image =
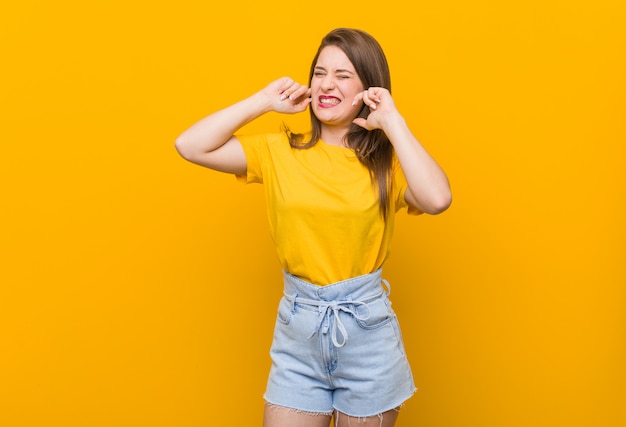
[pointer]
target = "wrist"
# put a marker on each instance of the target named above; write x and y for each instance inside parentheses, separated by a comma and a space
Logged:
(393, 121)
(261, 103)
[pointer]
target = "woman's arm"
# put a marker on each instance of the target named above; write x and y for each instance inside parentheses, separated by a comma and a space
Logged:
(429, 189)
(211, 141)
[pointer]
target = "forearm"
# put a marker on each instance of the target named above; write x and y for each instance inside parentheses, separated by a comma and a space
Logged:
(429, 189)
(215, 130)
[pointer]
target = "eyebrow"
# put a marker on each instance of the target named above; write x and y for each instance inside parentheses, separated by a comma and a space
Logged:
(339, 70)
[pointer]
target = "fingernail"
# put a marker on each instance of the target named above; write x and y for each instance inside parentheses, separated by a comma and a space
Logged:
(283, 97)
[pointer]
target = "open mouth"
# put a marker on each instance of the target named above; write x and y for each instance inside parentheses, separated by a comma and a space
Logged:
(329, 101)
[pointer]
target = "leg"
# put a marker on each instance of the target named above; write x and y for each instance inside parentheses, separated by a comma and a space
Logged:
(386, 419)
(278, 416)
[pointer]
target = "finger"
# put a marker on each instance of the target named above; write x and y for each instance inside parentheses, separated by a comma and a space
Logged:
(305, 101)
(299, 93)
(290, 90)
(358, 98)
(305, 98)
(284, 83)
(359, 121)
(368, 100)
(374, 94)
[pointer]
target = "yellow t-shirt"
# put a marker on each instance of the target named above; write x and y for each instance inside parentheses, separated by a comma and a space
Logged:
(322, 207)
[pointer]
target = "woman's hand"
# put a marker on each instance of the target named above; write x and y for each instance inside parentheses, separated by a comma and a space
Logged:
(287, 96)
(381, 106)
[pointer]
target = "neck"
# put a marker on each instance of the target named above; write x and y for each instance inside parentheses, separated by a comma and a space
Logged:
(334, 135)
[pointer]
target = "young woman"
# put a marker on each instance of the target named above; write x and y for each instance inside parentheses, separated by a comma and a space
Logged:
(332, 195)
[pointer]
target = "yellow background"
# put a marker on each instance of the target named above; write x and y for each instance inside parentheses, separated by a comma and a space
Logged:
(140, 290)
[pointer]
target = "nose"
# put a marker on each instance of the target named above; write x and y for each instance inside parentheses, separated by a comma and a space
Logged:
(328, 83)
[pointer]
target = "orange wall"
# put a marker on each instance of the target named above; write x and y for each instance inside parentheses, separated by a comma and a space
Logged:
(140, 290)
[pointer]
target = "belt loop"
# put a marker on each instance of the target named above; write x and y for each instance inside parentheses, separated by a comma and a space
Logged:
(386, 286)
(293, 303)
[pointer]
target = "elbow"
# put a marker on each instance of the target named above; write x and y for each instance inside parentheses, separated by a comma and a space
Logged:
(432, 204)
(439, 204)
(182, 147)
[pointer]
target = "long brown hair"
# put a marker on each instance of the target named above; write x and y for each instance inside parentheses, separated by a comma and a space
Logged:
(372, 148)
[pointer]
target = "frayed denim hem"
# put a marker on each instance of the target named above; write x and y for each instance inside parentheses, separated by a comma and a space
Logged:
(299, 411)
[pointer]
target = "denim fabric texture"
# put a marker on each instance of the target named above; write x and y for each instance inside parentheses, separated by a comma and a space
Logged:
(338, 347)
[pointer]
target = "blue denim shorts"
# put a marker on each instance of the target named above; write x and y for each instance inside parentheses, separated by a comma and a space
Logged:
(338, 347)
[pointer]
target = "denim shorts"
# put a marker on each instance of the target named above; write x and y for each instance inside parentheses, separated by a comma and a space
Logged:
(338, 347)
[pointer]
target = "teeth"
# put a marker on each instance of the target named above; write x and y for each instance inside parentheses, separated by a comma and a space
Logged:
(333, 101)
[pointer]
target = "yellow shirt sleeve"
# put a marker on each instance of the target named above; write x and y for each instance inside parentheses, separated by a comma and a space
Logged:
(256, 150)
(400, 186)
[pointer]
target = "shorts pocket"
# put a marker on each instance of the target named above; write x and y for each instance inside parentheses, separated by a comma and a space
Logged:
(285, 311)
(398, 333)
(375, 314)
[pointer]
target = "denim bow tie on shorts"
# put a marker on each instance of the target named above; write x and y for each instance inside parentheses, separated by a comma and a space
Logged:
(329, 314)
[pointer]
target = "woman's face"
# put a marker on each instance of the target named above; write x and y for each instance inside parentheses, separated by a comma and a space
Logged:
(334, 85)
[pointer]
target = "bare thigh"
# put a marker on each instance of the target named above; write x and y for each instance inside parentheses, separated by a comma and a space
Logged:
(278, 416)
(386, 419)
